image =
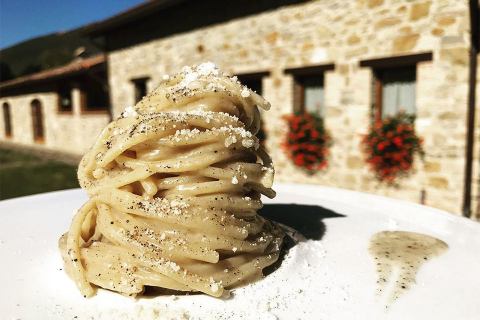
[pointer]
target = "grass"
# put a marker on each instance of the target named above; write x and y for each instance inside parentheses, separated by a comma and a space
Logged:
(22, 173)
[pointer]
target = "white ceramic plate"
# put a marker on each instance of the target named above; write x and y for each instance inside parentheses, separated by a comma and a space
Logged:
(330, 278)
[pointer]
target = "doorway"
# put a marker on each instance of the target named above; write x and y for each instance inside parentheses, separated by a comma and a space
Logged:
(37, 121)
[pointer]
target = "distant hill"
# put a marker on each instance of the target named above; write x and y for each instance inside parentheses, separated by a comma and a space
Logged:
(42, 53)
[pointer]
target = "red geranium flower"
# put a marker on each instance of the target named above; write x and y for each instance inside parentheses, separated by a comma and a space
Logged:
(307, 141)
(390, 147)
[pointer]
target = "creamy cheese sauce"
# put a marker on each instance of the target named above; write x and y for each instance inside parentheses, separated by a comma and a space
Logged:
(398, 256)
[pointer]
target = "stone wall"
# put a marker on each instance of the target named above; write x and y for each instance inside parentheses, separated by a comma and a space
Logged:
(71, 132)
(343, 33)
(317, 32)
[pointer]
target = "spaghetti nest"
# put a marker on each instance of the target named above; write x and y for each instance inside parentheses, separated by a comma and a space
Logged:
(174, 186)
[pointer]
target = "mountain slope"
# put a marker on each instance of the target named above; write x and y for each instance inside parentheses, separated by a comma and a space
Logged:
(42, 53)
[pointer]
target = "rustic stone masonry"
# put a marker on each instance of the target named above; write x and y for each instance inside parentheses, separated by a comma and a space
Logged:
(72, 132)
(343, 33)
(336, 32)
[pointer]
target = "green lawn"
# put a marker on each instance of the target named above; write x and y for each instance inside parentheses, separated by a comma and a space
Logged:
(22, 173)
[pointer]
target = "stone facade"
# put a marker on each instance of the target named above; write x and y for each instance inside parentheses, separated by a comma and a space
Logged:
(69, 132)
(342, 33)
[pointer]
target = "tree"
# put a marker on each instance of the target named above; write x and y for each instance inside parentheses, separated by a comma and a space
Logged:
(5, 72)
(31, 68)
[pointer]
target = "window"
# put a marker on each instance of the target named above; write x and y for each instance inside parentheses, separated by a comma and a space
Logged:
(309, 88)
(308, 93)
(7, 119)
(37, 120)
(94, 96)
(140, 88)
(395, 91)
(65, 99)
(254, 82)
(394, 82)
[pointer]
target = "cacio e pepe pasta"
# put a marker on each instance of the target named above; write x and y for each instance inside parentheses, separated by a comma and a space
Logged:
(174, 186)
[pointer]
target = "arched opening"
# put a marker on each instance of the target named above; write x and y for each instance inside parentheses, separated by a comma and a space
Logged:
(7, 119)
(37, 120)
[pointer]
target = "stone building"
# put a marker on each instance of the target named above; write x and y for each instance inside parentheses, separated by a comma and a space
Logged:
(61, 109)
(342, 59)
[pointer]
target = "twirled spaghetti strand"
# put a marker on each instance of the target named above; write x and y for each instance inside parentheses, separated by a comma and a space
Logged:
(174, 186)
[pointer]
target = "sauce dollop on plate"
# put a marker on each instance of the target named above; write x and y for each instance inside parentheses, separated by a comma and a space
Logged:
(398, 256)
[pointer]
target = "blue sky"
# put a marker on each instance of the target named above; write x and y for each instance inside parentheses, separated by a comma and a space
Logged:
(25, 19)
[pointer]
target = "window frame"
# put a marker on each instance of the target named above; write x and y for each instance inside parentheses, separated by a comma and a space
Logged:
(379, 84)
(257, 76)
(59, 99)
(300, 75)
(135, 82)
(253, 76)
(84, 110)
(299, 91)
(38, 116)
(379, 65)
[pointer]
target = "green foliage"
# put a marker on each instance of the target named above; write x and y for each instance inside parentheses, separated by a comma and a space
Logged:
(5, 72)
(44, 52)
(31, 68)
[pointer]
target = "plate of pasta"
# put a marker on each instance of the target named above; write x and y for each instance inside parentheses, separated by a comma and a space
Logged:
(179, 218)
